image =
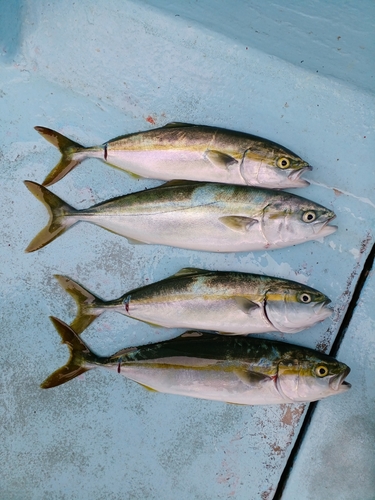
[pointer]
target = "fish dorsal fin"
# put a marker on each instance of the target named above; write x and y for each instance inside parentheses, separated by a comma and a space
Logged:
(179, 182)
(238, 223)
(245, 304)
(252, 379)
(178, 124)
(219, 159)
(188, 271)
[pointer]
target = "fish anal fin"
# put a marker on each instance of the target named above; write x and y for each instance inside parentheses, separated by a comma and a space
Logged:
(238, 223)
(132, 241)
(131, 174)
(147, 387)
(179, 182)
(219, 159)
(246, 305)
(250, 378)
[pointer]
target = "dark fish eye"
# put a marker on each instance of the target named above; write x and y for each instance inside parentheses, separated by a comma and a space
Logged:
(321, 371)
(305, 298)
(283, 162)
(309, 216)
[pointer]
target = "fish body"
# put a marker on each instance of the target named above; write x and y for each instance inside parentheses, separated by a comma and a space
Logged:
(197, 216)
(231, 302)
(185, 151)
(238, 370)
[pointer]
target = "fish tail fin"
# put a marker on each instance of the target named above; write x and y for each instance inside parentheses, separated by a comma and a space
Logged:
(89, 306)
(72, 154)
(59, 211)
(80, 355)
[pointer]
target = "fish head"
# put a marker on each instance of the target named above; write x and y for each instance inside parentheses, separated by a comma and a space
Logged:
(273, 167)
(291, 307)
(305, 378)
(289, 219)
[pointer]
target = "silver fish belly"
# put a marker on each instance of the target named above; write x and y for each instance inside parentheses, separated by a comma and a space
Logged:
(198, 216)
(185, 151)
(229, 302)
(207, 366)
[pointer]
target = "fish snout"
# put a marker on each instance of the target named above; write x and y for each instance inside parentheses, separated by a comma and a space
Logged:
(295, 176)
(337, 382)
(323, 310)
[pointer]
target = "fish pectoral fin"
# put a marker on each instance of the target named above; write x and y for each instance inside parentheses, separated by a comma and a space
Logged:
(253, 379)
(178, 124)
(221, 160)
(238, 223)
(246, 305)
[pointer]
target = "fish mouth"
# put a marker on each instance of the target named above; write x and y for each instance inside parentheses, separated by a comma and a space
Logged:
(323, 311)
(326, 229)
(295, 177)
(338, 383)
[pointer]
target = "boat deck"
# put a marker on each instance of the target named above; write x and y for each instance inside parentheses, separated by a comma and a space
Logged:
(300, 74)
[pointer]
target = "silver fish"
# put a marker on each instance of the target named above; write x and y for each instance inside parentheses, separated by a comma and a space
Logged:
(236, 370)
(185, 151)
(232, 302)
(197, 216)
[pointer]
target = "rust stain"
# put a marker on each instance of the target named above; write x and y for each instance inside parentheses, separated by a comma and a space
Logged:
(151, 120)
(324, 344)
(291, 415)
(277, 449)
(266, 494)
(337, 192)
(343, 301)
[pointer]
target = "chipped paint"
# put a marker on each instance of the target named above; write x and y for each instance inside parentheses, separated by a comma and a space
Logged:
(102, 431)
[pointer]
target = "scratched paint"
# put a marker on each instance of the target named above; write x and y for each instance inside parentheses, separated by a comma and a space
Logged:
(125, 63)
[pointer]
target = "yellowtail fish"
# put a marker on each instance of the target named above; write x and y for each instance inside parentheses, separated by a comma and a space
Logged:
(197, 216)
(185, 151)
(238, 370)
(232, 302)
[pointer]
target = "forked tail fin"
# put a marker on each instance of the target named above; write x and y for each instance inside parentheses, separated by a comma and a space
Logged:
(89, 306)
(80, 356)
(61, 216)
(72, 154)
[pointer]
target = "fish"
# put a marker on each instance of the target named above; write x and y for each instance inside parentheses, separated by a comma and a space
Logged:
(197, 216)
(186, 151)
(238, 370)
(232, 302)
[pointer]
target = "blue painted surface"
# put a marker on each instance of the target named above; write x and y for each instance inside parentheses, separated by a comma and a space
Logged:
(339, 448)
(94, 71)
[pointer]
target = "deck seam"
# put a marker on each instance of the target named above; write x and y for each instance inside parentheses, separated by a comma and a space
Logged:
(368, 266)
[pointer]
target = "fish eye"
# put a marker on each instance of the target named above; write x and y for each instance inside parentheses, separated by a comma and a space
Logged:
(305, 298)
(321, 371)
(283, 162)
(309, 216)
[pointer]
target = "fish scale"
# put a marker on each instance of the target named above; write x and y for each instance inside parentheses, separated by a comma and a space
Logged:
(186, 151)
(232, 302)
(208, 366)
(198, 216)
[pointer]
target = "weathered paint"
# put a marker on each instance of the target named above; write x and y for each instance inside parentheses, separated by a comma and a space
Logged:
(339, 446)
(125, 62)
